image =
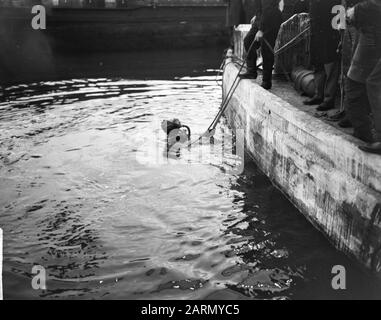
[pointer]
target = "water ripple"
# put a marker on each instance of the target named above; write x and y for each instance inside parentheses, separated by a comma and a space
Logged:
(89, 195)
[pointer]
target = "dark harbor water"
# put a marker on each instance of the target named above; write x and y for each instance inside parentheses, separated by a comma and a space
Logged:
(86, 192)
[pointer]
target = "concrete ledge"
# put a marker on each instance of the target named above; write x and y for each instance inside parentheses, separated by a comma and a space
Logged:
(319, 168)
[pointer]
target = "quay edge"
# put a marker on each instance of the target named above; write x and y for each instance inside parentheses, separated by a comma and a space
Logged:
(320, 169)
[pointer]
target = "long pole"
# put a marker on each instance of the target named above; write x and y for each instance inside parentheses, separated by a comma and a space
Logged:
(229, 95)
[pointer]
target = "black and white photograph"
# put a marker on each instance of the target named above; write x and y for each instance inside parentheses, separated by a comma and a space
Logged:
(192, 156)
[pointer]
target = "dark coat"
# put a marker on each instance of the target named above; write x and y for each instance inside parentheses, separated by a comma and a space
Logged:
(269, 16)
(351, 3)
(367, 20)
(324, 39)
(249, 9)
(240, 12)
(234, 13)
(301, 6)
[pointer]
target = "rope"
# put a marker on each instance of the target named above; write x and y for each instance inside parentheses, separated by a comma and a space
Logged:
(288, 44)
(225, 102)
(224, 65)
(281, 65)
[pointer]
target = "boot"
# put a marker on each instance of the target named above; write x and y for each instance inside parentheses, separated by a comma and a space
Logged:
(337, 116)
(266, 85)
(325, 106)
(345, 123)
(364, 135)
(372, 148)
(249, 75)
(314, 100)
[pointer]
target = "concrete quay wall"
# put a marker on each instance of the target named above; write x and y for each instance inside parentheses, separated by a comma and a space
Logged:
(320, 169)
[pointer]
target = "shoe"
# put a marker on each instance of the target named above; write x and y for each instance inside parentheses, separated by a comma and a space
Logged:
(345, 123)
(312, 101)
(248, 75)
(372, 148)
(340, 115)
(325, 107)
(266, 85)
(364, 136)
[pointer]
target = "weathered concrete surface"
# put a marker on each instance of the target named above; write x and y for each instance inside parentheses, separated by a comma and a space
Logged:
(319, 168)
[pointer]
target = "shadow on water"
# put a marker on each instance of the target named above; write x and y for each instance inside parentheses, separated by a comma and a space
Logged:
(280, 253)
(88, 196)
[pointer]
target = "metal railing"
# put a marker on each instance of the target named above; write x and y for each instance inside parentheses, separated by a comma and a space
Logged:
(293, 43)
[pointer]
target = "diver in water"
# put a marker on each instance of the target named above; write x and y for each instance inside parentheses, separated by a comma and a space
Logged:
(264, 31)
(178, 135)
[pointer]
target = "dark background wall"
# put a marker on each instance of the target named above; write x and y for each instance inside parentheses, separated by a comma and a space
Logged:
(91, 30)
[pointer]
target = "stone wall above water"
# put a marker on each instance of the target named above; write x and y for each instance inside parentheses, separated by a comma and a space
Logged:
(319, 168)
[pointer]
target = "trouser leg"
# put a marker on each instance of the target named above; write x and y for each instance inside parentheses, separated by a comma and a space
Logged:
(373, 85)
(251, 50)
(319, 79)
(358, 109)
(332, 71)
(267, 48)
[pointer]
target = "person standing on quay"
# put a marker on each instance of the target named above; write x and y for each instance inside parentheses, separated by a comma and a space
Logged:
(234, 13)
(238, 12)
(325, 57)
(263, 34)
(363, 83)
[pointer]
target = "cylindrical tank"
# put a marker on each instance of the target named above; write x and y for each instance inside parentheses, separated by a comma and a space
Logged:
(304, 80)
